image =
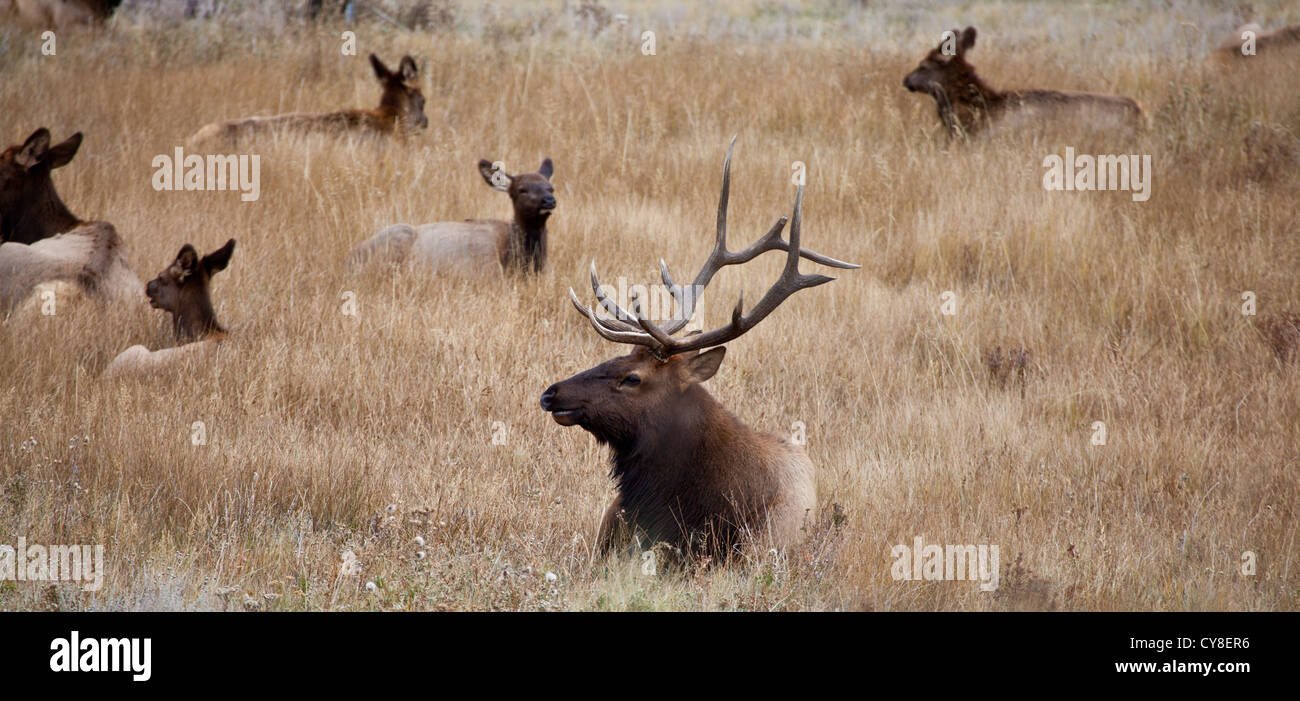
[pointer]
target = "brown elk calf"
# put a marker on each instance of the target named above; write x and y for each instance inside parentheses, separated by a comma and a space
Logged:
(688, 472)
(474, 246)
(400, 112)
(967, 105)
(184, 290)
(44, 244)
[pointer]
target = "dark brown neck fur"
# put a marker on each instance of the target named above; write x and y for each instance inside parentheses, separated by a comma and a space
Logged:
(40, 214)
(196, 318)
(526, 249)
(678, 482)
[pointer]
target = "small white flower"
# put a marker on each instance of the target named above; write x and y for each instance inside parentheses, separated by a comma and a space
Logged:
(419, 541)
(349, 567)
(551, 576)
(391, 508)
(371, 587)
(419, 555)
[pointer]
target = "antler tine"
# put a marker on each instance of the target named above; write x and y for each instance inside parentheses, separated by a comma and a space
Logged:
(618, 336)
(720, 256)
(791, 281)
(618, 323)
(659, 335)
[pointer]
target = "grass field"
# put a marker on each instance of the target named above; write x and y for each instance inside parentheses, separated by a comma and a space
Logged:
(328, 433)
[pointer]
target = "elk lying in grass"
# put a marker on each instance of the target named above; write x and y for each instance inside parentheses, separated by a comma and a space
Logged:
(688, 472)
(1257, 43)
(474, 246)
(46, 247)
(184, 290)
(64, 14)
(400, 112)
(30, 208)
(967, 105)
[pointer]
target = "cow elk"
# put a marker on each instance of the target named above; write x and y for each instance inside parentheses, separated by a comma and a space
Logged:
(400, 112)
(967, 105)
(45, 247)
(182, 289)
(30, 208)
(474, 246)
(1250, 41)
(689, 473)
(63, 14)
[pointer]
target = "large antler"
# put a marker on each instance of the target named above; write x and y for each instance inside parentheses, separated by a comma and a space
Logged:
(638, 329)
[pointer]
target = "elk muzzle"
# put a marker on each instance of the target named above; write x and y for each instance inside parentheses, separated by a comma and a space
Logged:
(151, 291)
(563, 416)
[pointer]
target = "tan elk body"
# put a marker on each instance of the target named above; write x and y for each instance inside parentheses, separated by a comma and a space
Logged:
(473, 246)
(45, 247)
(400, 111)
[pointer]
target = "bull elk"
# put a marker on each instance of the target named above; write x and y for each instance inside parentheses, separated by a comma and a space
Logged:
(967, 105)
(400, 112)
(688, 472)
(44, 244)
(182, 289)
(475, 245)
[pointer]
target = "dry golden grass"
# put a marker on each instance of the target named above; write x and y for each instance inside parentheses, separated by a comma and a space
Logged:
(328, 433)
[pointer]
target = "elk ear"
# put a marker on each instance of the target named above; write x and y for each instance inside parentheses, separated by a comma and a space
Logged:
(34, 148)
(61, 154)
(704, 365)
(408, 69)
(547, 169)
(186, 261)
(966, 41)
(496, 178)
(381, 71)
(217, 260)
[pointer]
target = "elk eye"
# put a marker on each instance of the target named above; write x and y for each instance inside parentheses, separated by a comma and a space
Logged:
(631, 380)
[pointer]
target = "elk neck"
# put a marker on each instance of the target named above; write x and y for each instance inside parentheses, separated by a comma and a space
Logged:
(674, 441)
(526, 248)
(39, 216)
(196, 319)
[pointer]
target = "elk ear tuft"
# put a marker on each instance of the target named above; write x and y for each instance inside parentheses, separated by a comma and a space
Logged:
(547, 169)
(381, 71)
(217, 260)
(408, 69)
(966, 41)
(62, 153)
(704, 365)
(496, 178)
(34, 148)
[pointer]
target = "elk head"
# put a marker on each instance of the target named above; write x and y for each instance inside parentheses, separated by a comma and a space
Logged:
(183, 289)
(658, 384)
(30, 209)
(944, 73)
(401, 97)
(533, 198)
